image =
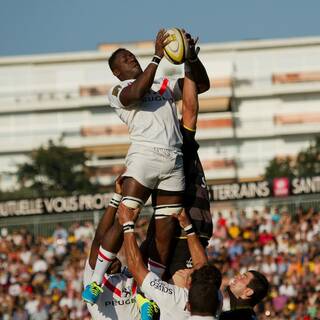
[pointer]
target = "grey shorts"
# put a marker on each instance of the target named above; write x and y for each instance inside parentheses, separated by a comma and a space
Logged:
(155, 168)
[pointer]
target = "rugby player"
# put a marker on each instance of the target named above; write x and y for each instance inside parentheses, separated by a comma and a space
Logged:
(245, 291)
(203, 300)
(154, 160)
(171, 298)
(117, 295)
(196, 196)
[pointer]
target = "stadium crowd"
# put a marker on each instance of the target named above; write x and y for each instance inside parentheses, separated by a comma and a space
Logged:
(41, 277)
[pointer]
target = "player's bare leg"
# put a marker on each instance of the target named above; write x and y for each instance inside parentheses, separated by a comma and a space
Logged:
(165, 204)
(100, 259)
(134, 193)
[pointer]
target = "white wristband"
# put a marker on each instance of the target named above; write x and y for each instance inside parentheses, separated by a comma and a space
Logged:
(188, 227)
(189, 230)
(128, 223)
(156, 60)
(115, 200)
(128, 227)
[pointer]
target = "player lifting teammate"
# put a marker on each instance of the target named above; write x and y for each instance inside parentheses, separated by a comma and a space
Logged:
(154, 160)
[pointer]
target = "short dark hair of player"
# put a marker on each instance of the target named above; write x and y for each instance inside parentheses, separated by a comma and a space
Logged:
(207, 274)
(203, 298)
(113, 57)
(260, 286)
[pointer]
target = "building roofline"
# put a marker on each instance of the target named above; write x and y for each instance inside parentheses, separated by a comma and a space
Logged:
(144, 49)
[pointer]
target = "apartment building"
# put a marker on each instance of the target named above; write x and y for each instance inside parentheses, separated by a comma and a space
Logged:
(264, 102)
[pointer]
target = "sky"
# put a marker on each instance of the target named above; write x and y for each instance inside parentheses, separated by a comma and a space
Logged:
(49, 26)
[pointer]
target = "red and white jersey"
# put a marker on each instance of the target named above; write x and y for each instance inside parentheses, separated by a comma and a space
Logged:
(154, 120)
(171, 299)
(118, 299)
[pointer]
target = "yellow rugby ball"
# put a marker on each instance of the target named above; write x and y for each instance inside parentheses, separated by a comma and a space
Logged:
(177, 50)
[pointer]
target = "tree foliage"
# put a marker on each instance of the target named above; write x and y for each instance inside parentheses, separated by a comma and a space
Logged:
(306, 164)
(55, 169)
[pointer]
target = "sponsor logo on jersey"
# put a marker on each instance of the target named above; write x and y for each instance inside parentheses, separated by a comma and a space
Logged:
(126, 292)
(122, 292)
(159, 285)
(121, 302)
(203, 182)
(155, 96)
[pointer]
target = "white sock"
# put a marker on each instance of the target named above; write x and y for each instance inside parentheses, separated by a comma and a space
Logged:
(156, 267)
(104, 260)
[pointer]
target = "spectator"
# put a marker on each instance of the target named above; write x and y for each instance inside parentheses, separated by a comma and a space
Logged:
(290, 259)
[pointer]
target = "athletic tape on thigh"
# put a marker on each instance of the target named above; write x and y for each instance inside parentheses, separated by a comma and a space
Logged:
(165, 210)
(132, 202)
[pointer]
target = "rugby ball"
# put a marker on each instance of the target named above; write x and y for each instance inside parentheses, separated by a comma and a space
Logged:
(177, 50)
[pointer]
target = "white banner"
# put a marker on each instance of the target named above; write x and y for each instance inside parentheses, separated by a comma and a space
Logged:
(87, 202)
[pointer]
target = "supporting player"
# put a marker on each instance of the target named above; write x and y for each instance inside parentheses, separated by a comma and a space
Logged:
(245, 291)
(117, 296)
(203, 299)
(171, 298)
(196, 197)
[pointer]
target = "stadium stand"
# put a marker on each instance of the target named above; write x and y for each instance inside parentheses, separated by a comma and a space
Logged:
(42, 275)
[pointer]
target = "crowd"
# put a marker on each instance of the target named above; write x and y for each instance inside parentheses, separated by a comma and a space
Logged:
(41, 277)
(285, 247)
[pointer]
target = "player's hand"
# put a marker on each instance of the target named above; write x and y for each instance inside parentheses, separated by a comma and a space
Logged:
(126, 214)
(118, 184)
(183, 218)
(161, 41)
(193, 49)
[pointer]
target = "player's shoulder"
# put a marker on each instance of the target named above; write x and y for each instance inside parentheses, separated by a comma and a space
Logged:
(115, 89)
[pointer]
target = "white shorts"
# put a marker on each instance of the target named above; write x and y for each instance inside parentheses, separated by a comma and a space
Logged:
(155, 168)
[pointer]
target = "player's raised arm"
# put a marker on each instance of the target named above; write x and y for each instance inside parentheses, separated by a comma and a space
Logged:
(190, 104)
(198, 254)
(127, 218)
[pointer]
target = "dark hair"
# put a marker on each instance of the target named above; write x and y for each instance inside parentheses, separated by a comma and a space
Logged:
(203, 298)
(113, 57)
(208, 274)
(260, 286)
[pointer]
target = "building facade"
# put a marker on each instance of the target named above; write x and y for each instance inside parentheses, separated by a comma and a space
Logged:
(264, 102)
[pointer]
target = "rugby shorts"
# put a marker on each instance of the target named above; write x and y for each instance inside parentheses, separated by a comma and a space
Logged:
(155, 168)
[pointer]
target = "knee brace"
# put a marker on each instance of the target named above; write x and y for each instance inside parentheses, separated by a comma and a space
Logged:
(132, 202)
(166, 210)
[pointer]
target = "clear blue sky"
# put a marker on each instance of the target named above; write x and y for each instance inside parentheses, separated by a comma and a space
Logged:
(42, 26)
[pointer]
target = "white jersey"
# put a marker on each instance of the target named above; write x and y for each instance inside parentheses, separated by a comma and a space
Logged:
(202, 318)
(171, 299)
(118, 299)
(154, 120)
